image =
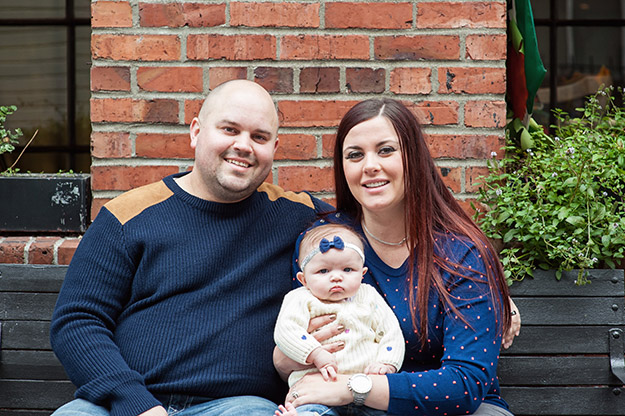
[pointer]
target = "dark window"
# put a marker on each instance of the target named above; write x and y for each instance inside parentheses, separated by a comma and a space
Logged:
(582, 46)
(44, 71)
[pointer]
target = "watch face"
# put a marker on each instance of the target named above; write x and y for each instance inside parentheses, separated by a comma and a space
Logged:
(360, 383)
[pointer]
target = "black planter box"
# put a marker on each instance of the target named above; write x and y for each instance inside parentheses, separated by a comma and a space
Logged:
(45, 203)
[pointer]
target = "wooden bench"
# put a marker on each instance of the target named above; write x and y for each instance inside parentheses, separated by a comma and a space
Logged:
(568, 359)
(32, 381)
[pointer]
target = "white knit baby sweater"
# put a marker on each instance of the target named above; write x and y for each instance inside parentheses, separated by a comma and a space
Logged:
(372, 333)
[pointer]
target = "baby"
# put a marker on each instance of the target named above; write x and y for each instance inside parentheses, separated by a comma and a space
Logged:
(331, 270)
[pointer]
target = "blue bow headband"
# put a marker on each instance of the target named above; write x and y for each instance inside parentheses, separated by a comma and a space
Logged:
(325, 245)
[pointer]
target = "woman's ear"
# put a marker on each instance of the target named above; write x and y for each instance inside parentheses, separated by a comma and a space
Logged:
(301, 278)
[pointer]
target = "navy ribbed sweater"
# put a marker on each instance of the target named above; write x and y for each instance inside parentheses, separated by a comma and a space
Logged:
(171, 294)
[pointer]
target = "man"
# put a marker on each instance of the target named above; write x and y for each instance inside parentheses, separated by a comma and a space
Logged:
(171, 297)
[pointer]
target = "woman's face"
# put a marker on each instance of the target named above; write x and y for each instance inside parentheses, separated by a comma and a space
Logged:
(373, 166)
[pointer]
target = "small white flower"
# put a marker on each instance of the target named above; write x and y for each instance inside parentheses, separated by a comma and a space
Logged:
(605, 193)
(554, 175)
(493, 154)
(499, 192)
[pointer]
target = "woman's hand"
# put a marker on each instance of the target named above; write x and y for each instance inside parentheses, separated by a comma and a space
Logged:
(322, 328)
(312, 388)
(515, 326)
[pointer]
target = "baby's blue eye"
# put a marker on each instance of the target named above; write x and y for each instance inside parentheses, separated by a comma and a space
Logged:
(348, 269)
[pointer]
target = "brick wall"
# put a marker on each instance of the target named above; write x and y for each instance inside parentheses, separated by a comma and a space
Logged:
(154, 61)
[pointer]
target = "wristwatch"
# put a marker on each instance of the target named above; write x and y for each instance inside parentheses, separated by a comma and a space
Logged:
(360, 386)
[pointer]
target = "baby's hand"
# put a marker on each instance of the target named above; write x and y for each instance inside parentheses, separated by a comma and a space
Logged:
(287, 410)
(380, 368)
(325, 363)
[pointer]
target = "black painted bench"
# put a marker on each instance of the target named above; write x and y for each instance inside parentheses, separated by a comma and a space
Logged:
(32, 381)
(568, 359)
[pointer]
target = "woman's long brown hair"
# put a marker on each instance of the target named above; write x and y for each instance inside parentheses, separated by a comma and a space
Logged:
(430, 209)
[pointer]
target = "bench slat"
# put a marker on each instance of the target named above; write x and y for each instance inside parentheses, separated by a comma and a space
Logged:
(26, 335)
(34, 395)
(31, 278)
(604, 283)
(571, 310)
(553, 401)
(556, 371)
(27, 306)
(31, 365)
(540, 340)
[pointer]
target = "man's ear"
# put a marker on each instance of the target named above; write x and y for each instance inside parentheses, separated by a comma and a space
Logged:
(194, 131)
(364, 272)
(275, 146)
(301, 278)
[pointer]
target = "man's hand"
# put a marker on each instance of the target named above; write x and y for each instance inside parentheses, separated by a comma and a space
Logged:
(515, 326)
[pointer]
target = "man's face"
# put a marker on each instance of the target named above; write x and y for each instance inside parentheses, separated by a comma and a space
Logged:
(234, 142)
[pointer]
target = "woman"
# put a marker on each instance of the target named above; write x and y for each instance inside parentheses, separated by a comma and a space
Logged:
(435, 267)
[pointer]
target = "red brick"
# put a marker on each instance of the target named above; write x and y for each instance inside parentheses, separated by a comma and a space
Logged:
(485, 114)
(191, 110)
(472, 80)
(135, 47)
(364, 80)
(463, 146)
(319, 79)
(66, 250)
(414, 48)
(41, 251)
(472, 175)
(127, 110)
(312, 113)
(438, 113)
(110, 145)
(327, 145)
(165, 146)
(411, 81)
(255, 14)
(452, 176)
(472, 14)
(486, 47)
(185, 14)
(465, 204)
(219, 75)
(241, 47)
(296, 147)
(170, 79)
(12, 250)
(96, 204)
(275, 80)
(306, 178)
(369, 15)
(111, 14)
(324, 47)
(110, 78)
(123, 178)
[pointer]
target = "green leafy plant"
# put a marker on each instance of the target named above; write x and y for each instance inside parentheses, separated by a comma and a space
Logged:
(8, 138)
(558, 202)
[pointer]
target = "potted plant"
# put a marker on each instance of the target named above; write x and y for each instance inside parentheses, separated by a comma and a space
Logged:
(39, 202)
(557, 202)
(556, 209)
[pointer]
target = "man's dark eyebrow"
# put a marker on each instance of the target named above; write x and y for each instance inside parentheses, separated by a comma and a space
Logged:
(235, 124)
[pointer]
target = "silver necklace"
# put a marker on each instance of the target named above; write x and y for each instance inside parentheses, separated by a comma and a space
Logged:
(403, 240)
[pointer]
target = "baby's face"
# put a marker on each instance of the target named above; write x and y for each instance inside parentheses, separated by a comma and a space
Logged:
(334, 275)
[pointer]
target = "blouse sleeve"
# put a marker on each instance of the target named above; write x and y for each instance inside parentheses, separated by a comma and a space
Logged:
(471, 344)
